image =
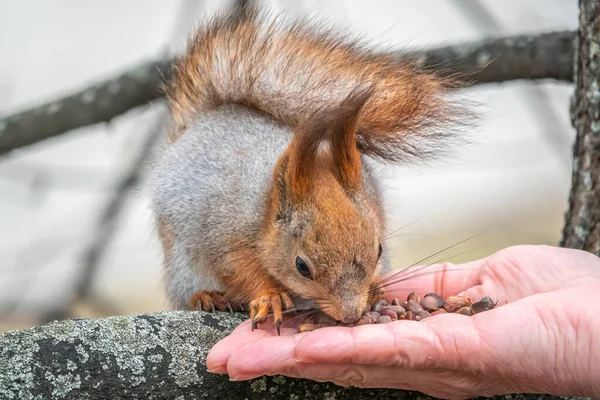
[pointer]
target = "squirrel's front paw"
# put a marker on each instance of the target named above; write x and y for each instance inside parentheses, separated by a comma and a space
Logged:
(207, 300)
(261, 305)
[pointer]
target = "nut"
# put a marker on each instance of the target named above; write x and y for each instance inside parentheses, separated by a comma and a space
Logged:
(464, 311)
(380, 312)
(416, 296)
(454, 303)
(378, 305)
(390, 312)
(398, 302)
(484, 304)
(432, 302)
(366, 319)
(413, 306)
(372, 317)
(384, 319)
(398, 309)
(409, 315)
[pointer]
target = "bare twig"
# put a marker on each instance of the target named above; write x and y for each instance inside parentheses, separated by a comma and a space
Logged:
(545, 56)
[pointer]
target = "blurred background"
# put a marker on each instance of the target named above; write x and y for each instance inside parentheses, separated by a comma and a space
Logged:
(73, 227)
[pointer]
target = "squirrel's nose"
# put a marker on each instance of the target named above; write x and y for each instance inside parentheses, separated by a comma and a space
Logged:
(350, 319)
(350, 305)
(349, 315)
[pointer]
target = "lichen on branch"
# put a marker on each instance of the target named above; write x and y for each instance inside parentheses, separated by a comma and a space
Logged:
(149, 356)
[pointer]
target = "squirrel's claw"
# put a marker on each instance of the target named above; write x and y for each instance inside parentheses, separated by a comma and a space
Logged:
(209, 300)
(260, 307)
(278, 326)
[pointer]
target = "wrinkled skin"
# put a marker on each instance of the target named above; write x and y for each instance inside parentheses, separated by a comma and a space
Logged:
(542, 337)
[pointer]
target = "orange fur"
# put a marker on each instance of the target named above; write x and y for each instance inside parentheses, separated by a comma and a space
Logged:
(346, 157)
(342, 101)
(336, 221)
(290, 72)
(303, 159)
(250, 280)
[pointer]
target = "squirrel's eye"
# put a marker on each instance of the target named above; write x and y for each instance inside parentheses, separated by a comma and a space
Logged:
(303, 268)
(380, 251)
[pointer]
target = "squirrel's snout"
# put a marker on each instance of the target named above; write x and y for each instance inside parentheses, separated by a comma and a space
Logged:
(351, 319)
(350, 313)
(348, 303)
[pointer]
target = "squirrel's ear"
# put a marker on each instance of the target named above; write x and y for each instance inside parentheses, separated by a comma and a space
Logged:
(308, 152)
(303, 158)
(345, 155)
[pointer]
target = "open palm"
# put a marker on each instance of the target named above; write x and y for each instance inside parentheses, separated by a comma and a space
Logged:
(540, 337)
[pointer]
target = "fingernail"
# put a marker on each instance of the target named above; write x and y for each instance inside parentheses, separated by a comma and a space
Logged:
(242, 377)
(218, 370)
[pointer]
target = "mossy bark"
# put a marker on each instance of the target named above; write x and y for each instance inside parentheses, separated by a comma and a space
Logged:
(150, 356)
(582, 226)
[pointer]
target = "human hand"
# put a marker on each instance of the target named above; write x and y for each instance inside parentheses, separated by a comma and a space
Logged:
(540, 338)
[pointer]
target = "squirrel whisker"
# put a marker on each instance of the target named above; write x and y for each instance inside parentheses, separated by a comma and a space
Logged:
(386, 237)
(409, 268)
(408, 278)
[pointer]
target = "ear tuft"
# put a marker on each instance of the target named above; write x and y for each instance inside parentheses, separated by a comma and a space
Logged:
(344, 150)
(308, 153)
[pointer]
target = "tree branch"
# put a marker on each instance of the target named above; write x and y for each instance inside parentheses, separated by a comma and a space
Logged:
(97, 103)
(151, 356)
(545, 56)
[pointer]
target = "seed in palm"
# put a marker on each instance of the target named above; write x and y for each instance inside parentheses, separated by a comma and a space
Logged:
(430, 305)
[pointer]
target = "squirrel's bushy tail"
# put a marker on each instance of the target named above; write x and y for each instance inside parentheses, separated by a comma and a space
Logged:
(289, 71)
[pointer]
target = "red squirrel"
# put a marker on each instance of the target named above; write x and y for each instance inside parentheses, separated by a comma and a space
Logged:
(265, 197)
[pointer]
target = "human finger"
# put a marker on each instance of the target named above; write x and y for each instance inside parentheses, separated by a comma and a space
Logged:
(259, 346)
(408, 344)
(445, 384)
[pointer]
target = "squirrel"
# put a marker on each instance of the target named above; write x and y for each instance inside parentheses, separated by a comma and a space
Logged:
(265, 197)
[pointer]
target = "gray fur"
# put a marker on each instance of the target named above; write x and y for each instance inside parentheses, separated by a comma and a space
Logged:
(209, 191)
